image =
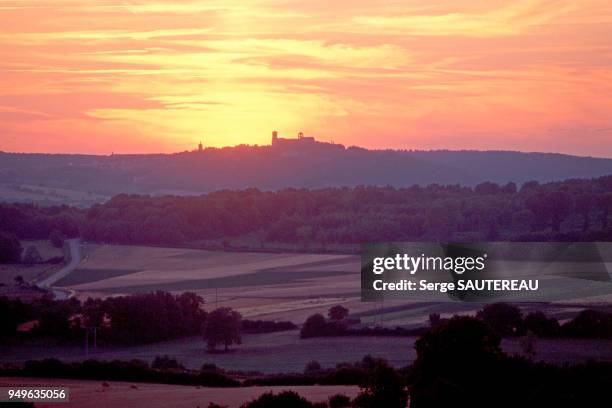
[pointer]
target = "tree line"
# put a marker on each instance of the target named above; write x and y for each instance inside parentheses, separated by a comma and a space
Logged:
(505, 319)
(571, 210)
(129, 320)
(133, 319)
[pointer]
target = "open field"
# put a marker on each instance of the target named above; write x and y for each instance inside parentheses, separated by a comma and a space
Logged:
(46, 195)
(147, 268)
(9, 272)
(274, 287)
(92, 394)
(285, 286)
(271, 285)
(281, 286)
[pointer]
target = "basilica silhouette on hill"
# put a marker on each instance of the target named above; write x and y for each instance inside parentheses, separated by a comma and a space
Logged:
(300, 144)
(300, 141)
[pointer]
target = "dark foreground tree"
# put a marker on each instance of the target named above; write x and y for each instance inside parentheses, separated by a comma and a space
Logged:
(384, 387)
(459, 364)
(222, 326)
(453, 360)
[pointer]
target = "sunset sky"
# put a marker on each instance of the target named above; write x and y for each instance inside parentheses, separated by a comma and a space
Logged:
(102, 76)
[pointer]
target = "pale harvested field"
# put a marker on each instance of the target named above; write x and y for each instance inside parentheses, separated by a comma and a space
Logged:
(159, 266)
(91, 394)
(284, 286)
(49, 195)
(270, 285)
(9, 272)
(280, 286)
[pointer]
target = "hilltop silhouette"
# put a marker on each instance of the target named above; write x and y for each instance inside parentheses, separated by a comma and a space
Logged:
(299, 163)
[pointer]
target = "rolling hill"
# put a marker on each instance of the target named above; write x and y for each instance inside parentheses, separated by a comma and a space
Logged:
(86, 179)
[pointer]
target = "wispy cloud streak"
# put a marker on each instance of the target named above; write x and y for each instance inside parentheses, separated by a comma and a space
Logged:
(159, 75)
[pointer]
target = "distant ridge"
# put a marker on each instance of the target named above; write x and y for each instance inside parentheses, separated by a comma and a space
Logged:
(298, 165)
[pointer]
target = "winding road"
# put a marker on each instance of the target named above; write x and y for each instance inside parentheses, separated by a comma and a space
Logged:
(75, 258)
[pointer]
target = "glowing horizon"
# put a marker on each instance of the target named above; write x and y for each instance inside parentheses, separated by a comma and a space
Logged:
(159, 76)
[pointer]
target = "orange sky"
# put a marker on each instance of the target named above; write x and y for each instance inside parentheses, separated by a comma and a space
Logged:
(99, 76)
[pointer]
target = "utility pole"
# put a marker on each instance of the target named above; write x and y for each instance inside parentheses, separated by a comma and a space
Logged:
(94, 330)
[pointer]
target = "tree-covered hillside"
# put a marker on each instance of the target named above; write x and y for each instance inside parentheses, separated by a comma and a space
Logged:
(571, 210)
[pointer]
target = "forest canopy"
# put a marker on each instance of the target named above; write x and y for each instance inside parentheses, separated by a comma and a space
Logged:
(571, 210)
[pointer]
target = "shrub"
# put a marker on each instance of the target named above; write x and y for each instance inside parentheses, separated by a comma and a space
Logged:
(317, 326)
(312, 367)
(589, 324)
(31, 256)
(505, 319)
(210, 367)
(529, 344)
(542, 326)
(266, 326)
(338, 312)
(284, 399)
(165, 363)
(10, 248)
(313, 326)
(56, 237)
